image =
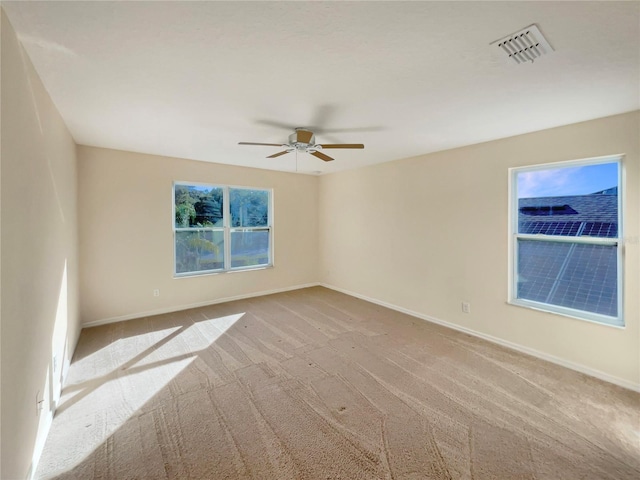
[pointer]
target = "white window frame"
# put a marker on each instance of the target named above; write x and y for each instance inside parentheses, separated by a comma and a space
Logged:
(514, 236)
(226, 228)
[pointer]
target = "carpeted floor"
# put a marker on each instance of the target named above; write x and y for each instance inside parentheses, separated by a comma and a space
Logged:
(313, 384)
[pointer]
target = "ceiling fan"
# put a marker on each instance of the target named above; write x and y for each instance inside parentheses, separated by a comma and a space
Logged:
(303, 140)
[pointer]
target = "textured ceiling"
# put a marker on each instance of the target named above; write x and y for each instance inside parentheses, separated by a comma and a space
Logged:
(404, 78)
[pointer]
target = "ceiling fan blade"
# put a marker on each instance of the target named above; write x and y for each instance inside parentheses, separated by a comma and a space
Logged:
(321, 156)
(278, 154)
(265, 144)
(304, 136)
(342, 145)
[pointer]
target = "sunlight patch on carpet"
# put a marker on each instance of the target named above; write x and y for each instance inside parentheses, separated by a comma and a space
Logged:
(96, 406)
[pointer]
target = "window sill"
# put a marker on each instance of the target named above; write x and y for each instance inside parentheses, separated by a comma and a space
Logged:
(567, 314)
(221, 272)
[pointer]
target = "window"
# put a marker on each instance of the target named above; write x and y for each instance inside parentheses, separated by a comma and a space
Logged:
(566, 230)
(219, 228)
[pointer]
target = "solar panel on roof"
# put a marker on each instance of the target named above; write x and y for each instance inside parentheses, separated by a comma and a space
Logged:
(600, 229)
(539, 264)
(549, 228)
(570, 229)
(589, 280)
(579, 276)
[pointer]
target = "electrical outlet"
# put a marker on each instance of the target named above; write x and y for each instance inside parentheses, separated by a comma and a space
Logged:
(466, 307)
(156, 293)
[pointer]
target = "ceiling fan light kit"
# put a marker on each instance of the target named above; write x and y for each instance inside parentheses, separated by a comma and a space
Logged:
(303, 140)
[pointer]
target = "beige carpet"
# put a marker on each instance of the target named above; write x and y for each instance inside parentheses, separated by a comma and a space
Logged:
(314, 384)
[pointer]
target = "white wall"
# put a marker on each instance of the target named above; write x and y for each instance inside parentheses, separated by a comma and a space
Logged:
(426, 233)
(39, 256)
(126, 238)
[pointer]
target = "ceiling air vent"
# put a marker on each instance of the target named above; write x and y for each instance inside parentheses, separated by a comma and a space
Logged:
(525, 45)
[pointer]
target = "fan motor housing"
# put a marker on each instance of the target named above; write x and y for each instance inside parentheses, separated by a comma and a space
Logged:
(297, 138)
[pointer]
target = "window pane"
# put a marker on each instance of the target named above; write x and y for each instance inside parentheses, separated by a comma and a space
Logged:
(249, 208)
(198, 206)
(569, 201)
(199, 250)
(249, 248)
(573, 275)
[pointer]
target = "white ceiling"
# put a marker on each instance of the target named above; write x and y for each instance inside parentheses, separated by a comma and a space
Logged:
(404, 78)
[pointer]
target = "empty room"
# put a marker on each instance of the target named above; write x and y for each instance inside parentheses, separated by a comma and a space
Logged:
(320, 240)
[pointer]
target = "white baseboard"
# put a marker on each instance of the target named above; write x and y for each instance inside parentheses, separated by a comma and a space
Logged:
(505, 343)
(177, 308)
